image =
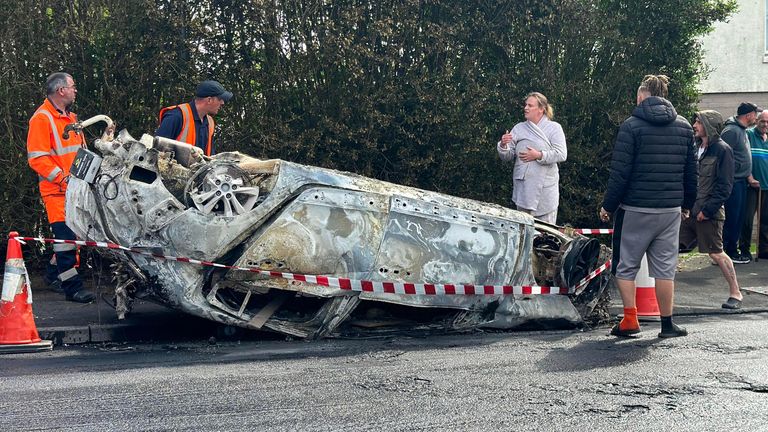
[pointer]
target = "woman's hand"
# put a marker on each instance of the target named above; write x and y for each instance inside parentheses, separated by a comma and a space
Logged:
(505, 140)
(530, 155)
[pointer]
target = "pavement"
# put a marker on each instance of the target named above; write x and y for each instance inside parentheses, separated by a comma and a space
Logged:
(700, 290)
(65, 322)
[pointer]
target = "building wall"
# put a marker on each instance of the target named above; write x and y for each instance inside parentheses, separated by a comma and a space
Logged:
(736, 53)
(726, 103)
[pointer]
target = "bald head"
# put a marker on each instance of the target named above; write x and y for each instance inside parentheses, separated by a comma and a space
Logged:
(762, 122)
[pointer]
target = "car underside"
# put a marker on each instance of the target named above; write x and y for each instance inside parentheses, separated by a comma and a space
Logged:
(164, 198)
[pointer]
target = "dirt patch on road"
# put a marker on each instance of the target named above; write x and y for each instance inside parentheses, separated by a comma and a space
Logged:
(692, 261)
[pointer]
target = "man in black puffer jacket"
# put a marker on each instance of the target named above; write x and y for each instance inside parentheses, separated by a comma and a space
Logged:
(652, 184)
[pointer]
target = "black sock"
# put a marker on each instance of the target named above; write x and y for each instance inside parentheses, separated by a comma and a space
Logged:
(666, 323)
(670, 329)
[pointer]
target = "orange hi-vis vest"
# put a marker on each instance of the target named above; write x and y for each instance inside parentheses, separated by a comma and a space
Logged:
(48, 153)
(187, 133)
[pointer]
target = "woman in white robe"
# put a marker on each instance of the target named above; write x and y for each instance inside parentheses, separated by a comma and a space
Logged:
(536, 145)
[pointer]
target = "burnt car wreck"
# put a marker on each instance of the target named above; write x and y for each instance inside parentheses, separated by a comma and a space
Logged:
(165, 197)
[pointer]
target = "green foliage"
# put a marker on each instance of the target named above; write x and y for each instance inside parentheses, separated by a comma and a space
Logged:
(414, 92)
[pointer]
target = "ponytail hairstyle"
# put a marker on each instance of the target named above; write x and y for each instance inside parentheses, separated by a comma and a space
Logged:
(543, 103)
(654, 85)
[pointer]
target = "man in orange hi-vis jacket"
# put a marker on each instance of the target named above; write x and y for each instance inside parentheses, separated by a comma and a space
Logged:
(192, 122)
(51, 155)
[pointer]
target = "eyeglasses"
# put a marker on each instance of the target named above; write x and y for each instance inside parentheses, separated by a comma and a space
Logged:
(73, 87)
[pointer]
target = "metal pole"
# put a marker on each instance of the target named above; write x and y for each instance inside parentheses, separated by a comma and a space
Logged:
(759, 207)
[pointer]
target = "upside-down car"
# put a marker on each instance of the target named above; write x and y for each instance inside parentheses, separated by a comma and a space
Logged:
(164, 197)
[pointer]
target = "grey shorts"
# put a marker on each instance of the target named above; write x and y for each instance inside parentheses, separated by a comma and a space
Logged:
(654, 234)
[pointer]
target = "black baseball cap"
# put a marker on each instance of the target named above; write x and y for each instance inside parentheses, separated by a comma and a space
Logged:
(212, 88)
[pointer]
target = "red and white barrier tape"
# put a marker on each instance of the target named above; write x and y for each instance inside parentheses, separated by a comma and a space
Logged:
(594, 231)
(603, 267)
(352, 284)
(593, 274)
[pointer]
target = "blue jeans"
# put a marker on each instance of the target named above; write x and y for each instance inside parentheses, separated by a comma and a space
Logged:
(66, 258)
(735, 209)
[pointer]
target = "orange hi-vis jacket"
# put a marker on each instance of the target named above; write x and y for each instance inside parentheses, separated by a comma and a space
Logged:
(51, 156)
(187, 133)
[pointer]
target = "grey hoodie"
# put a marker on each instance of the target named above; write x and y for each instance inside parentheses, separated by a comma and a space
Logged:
(736, 136)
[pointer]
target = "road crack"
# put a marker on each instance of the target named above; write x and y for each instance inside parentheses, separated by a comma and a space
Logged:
(738, 382)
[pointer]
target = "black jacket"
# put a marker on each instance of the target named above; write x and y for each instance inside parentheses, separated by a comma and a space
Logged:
(654, 159)
(716, 168)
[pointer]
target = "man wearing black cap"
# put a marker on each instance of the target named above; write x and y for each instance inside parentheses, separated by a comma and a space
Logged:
(757, 193)
(735, 135)
(192, 122)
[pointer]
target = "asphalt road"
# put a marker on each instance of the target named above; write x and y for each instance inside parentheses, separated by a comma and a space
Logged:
(714, 379)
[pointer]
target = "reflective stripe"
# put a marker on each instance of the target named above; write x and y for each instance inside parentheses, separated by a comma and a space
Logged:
(186, 114)
(37, 154)
(15, 270)
(56, 136)
(68, 150)
(67, 275)
(211, 128)
(63, 247)
(54, 172)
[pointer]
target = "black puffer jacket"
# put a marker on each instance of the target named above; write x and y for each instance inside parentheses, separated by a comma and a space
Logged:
(654, 159)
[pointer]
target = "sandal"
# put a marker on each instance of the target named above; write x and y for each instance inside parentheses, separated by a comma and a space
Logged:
(732, 303)
(674, 331)
(629, 333)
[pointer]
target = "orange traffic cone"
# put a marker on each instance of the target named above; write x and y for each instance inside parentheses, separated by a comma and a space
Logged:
(18, 333)
(645, 296)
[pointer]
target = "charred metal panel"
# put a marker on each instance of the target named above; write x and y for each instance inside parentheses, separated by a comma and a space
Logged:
(438, 244)
(323, 231)
(434, 243)
(83, 203)
(516, 311)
